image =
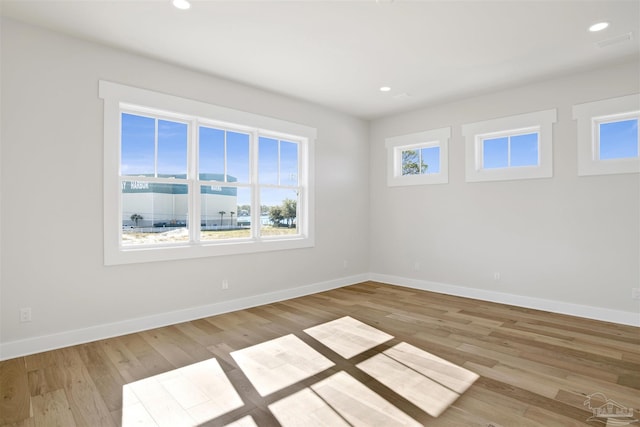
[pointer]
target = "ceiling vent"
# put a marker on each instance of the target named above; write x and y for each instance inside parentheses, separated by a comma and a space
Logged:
(614, 40)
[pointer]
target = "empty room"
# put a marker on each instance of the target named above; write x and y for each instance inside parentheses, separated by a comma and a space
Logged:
(319, 213)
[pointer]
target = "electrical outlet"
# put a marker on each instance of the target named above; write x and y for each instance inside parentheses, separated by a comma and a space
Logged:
(635, 293)
(496, 275)
(225, 284)
(416, 266)
(345, 264)
(25, 314)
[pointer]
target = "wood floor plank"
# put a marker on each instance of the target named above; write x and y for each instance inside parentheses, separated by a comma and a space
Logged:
(52, 409)
(105, 375)
(15, 399)
(579, 337)
(176, 348)
(84, 399)
(29, 422)
(507, 416)
(151, 362)
(543, 417)
(536, 368)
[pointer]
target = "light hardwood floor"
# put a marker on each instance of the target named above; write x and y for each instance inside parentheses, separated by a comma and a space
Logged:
(367, 354)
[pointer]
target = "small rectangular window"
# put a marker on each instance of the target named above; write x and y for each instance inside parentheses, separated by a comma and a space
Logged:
(618, 139)
(510, 151)
(417, 161)
(419, 158)
(608, 140)
(514, 147)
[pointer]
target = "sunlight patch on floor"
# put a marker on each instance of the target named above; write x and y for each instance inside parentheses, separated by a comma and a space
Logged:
(427, 381)
(186, 396)
(339, 400)
(199, 393)
(279, 363)
(358, 404)
(347, 336)
(305, 408)
(442, 371)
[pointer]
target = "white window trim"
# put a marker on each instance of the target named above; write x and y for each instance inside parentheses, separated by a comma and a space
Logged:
(474, 133)
(588, 116)
(117, 96)
(396, 145)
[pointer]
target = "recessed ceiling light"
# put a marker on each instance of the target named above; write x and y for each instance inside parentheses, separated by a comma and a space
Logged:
(598, 27)
(181, 4)
(385, 89)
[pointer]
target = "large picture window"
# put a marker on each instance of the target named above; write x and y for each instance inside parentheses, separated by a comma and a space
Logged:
(187, 179)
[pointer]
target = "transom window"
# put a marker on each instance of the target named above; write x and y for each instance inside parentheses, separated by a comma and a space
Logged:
(608, 140)
(418, 158)
(617, 137)
(421, 160)
(507, 148)
(510, 150)
(190, 185)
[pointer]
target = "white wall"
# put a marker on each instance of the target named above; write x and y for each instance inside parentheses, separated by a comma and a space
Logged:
(555, 242)
(52, 135)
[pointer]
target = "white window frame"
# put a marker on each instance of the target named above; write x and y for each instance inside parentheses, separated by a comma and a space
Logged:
(431, 138)
(589, 116)
(475, 133)
(120, 98)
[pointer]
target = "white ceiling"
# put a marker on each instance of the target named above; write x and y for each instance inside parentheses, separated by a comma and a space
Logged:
(339, 53)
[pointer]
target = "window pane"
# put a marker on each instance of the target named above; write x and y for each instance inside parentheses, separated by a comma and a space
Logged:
(221, 214)
(211, 154)
(619, 140)
(172, 149)
(237, 157)
(278, 212)
(137, 149)
(154, 213)
(430, 160)
(268, 161)
(495, 153)
(524, 150)
(411, 162)
(288, 163)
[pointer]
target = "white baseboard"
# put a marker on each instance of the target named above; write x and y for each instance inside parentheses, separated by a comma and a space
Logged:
(589, 312)
(11, 349)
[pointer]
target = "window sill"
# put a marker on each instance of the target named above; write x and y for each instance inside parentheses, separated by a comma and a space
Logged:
(133, 255)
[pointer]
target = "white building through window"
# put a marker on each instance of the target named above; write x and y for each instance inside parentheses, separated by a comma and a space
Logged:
(187, 179)
(608, 137)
